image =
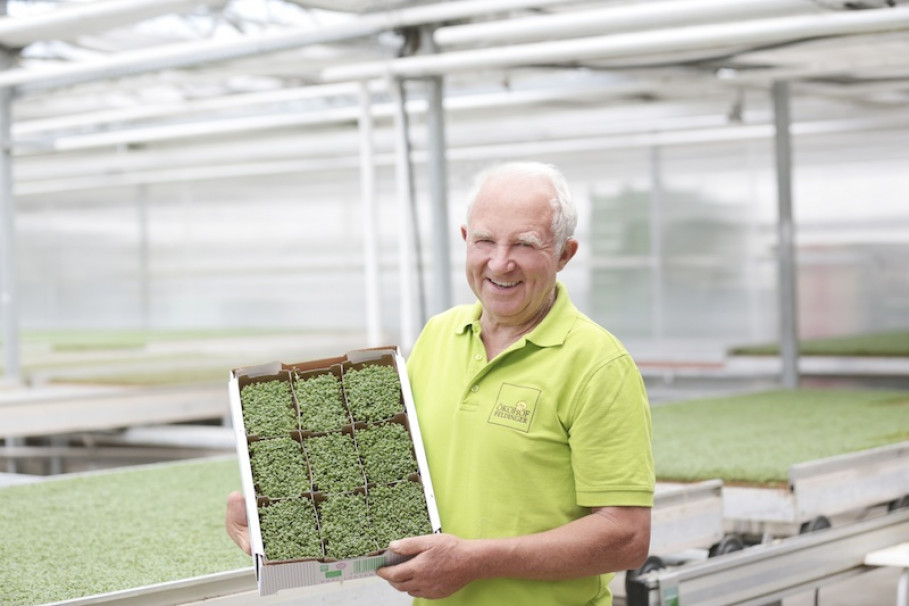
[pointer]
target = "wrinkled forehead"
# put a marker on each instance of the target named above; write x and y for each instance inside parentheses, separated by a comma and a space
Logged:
(524, 195)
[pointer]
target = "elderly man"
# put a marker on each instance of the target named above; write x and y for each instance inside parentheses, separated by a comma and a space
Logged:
(535, 420)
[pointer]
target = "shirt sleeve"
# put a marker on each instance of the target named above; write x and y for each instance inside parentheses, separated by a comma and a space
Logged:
(610, 438)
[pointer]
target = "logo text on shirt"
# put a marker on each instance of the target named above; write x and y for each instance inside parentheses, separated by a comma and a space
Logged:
(515, 406)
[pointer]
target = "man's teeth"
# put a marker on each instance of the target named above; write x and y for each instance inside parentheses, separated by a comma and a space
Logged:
(503, 284)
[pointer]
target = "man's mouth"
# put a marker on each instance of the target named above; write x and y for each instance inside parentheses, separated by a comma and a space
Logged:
(499, 284)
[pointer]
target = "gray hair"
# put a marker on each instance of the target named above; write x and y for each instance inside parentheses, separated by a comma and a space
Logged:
(564, 212)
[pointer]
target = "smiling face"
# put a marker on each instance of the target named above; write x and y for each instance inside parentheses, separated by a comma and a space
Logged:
(512, 260)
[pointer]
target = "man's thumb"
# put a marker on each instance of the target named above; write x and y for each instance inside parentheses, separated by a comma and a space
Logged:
(408, 546)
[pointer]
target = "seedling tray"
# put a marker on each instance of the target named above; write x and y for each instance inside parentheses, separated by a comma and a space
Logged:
(325, 466)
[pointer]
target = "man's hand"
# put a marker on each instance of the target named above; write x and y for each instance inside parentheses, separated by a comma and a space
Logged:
(607, 539)
(235, 521)
(441, 565)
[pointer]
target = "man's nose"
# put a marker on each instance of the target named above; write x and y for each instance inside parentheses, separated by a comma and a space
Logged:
(500, 260)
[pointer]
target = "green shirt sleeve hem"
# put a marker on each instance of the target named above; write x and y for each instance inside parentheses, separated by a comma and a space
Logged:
(616, 498)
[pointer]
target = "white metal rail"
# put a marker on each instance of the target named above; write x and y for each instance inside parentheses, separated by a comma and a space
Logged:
(823, 487)
(764, 574)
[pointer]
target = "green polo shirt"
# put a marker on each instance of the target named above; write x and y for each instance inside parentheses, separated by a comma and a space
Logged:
(557, 423)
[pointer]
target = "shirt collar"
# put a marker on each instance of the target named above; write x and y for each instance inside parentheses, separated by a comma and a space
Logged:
(551, 331)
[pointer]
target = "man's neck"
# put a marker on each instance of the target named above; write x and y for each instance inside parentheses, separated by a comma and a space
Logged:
(498, 337)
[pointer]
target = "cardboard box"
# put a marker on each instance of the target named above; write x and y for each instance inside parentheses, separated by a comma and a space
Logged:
(273, 576)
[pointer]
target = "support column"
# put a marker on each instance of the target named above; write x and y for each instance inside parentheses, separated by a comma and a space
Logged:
(788, 296)
(656, 244)
(9, 286)
(144, 257)
(370, 236)
(404, 178)
(440, 239)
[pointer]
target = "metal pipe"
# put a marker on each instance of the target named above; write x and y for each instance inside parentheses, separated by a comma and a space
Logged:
(406, 238)
(144, 254)
(622, 18)
(438, 188)
(209, 51)
(668, 40)
(714, 130)
(656, 243)
(9, 283)
(188, 106)
(341, 115)
(788, 297)
(72, 21)
(368, 199)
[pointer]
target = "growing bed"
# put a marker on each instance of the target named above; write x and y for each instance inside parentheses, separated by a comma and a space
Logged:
(754, 439)
(106, 531)
(880, 344)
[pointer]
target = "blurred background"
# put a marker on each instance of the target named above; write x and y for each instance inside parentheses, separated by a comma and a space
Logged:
(201, 199)
(188, 187)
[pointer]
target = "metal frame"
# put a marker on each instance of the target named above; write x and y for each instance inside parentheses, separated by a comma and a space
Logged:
(110, 409)
(824, 487)
(686, 516)
(763, 574)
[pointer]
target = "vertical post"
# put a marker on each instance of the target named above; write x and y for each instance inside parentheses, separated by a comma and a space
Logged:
(656, 242)
(788, 298)
(9, 288)
(438, 186)
(144, 273)
(368, 196)
(404, 179)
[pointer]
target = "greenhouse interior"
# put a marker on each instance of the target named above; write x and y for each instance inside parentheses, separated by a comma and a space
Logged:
(193, 192)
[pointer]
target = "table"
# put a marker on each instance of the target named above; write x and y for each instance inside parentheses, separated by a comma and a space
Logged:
(896, 555)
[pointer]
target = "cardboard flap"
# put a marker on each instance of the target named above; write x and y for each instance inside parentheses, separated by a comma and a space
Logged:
(260, 370)
(368, 355)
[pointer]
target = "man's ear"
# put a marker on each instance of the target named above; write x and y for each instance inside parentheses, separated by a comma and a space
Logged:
(464, 233)
(568, 251)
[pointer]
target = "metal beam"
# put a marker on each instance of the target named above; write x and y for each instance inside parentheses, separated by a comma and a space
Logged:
(111, 410)
(9, 288)
(407, 236)
(70, 22)
(657, 204)
(762, 574)
(669, 40)
(438, 188)
(210, 51)
(370, 224)
(788, 298)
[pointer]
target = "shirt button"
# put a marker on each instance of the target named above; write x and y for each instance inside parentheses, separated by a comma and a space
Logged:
(475, 388)
(478, 356)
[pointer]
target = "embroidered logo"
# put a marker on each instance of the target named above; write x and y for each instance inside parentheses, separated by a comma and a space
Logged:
(515, 406)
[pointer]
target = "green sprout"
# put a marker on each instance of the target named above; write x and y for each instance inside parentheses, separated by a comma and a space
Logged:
(321, 402)
(397, 511)
(268, 408)
(373, 392)
(290, 530)
(387, 452)
(345, 521)
(278, 468)
(333, 462)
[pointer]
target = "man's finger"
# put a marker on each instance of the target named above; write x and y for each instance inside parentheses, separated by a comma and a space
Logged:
(235, 521)
(408, 546)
